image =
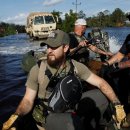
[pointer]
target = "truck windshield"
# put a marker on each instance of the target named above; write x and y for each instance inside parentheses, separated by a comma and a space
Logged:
(49, 19)
(38, 20)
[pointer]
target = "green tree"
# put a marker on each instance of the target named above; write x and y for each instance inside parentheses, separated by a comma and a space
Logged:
(81, 14)
(57, 17)
(68, 23)
(117, 17)
(106, 17)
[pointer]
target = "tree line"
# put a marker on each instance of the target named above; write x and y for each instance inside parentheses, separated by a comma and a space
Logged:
(117, 18)
(10, 29)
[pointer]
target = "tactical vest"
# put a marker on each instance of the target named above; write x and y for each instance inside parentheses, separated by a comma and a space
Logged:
(101, 41)
(40, 110)
(103, 38)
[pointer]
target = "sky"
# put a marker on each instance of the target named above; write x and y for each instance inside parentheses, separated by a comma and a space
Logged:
(16, 11)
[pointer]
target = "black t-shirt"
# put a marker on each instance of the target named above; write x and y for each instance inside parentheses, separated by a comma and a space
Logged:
(73, 41)
(81, 54)
(124, 49)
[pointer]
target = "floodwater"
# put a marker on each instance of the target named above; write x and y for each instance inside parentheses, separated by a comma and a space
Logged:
(12, 77)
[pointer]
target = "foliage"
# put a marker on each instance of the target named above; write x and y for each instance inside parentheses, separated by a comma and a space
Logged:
(10, 29)
(68, 22)
(103, 19)
(57, 17)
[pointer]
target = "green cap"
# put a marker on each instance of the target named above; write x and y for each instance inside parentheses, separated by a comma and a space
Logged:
(57, 38)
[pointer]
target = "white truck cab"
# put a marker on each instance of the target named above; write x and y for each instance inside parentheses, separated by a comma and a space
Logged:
(40, 24)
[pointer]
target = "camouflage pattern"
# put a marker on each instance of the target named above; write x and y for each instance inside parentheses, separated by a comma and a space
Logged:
(38, 115)
(101, 41)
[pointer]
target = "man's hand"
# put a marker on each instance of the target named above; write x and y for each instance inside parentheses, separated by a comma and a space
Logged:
(10, 122)
(110, 54)
(84, 43)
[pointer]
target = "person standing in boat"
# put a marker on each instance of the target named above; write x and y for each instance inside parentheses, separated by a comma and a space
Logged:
(94, 100)
(120, 65)
(78, 39)
(101, 41)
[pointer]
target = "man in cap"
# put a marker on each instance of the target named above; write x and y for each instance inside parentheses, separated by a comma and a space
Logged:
(121, 62)
(78, 39)
(56, 63)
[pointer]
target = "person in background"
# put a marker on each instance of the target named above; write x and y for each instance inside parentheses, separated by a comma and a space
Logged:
(95, 100)
(78, 39)
(101, 41)
(120, 62)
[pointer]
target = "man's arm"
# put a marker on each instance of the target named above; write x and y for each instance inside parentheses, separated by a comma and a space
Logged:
(24, 107)
(27, 102)
(116, 58)
(119, 115)
(99, 51)
(103, 86)
(124, 64)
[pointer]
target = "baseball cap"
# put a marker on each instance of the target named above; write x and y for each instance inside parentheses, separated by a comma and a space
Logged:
(80, 22)
(57, 38)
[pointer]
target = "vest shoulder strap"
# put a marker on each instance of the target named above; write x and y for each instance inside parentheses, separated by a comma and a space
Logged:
(43, 70)
(42, 67)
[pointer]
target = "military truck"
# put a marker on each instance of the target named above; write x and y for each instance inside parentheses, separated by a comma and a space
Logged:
(40, 24)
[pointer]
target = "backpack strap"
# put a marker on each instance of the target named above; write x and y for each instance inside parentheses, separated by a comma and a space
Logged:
(75, 70)
(47, 71)
(71, 68)
(39, 63)
(42, 70)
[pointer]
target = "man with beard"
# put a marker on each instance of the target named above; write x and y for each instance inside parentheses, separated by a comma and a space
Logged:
(95, 100)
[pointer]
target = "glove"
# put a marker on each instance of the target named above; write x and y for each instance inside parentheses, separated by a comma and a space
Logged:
(120, 115)
(10, 122)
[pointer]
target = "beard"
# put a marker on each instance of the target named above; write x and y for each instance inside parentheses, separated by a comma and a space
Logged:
(54, 61)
